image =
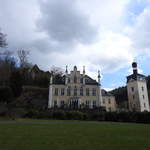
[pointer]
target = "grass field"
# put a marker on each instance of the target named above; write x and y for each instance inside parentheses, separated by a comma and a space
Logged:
(75, 136)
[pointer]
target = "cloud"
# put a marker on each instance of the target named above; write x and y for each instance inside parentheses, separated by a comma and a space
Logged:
(63, 22)
(141, 32)
(93, 33)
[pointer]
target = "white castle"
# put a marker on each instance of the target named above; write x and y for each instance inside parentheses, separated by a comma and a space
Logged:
(76, 90)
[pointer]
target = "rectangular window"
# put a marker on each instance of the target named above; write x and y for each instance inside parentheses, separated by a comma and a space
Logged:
(103, 101)
(68, 80)
(143, 97)
(62, 103)
(68, 91)
(94, 92)
(144, 105)
(109, 101)
(62, 91)
(56, 91)
(75, 91)
(87, 104)
(81, 80)
(142, 88)
(87, 92)
(81, 91)
(94, 104)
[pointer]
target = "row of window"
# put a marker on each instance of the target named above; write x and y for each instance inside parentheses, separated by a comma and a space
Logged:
(104, 101)
(132, 89)
(134, 105)
(75, 91)
(133, 96)
(87, 103)
(75, 80)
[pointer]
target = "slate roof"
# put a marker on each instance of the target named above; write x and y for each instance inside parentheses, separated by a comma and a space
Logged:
(88, 81)
(105, 93)
(135, 77)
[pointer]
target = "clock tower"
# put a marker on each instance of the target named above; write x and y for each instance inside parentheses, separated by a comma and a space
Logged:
(137, 91)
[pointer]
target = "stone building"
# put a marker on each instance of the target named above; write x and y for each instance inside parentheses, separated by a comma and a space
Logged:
(76, 90)
(137, 91)
(108, 101)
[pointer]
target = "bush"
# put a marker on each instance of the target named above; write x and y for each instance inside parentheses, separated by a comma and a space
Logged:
(75, 115)
(99, 116)
(6, 94)
(58, 115)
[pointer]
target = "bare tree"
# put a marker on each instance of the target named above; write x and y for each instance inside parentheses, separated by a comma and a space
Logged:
(3, 42)
(57, 70)
(23, 57)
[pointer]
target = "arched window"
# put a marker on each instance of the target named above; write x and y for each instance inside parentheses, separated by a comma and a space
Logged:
(75, 91)
(81, 80)
(81, 91)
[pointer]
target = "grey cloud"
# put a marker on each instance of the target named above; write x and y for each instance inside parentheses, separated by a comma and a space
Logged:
(64, 22)
(141, 31)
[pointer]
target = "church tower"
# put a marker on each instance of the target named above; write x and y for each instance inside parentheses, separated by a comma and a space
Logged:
(137, 91)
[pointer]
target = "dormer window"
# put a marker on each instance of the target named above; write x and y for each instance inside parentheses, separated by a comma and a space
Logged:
(81, 80)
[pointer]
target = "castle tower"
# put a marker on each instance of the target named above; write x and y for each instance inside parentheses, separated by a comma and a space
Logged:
(50, 92)
(99, 90)
(83, 74)
(66, 77)
(137, 91)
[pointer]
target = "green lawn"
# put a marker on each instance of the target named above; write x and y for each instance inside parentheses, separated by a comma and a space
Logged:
(76, 136)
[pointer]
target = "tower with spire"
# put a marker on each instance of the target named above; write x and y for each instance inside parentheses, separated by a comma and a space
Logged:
(137, 91)
(99, 90)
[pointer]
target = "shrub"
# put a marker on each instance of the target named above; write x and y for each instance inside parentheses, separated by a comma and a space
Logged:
(6, 94)
(58, 114)
(75, 115)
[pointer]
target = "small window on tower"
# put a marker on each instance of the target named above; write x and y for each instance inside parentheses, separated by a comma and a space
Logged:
(133, 97)
(142, 88)
(143, 97)
(132, 89)
(144, 105)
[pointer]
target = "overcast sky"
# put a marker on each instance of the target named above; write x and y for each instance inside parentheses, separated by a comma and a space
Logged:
(103, 35)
